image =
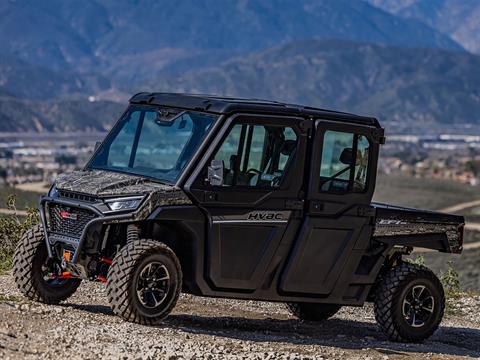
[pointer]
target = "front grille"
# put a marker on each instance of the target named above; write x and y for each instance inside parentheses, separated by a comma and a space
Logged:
(76, 196)
(68, 221)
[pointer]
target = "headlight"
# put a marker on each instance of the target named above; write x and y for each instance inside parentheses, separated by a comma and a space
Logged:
(127, 203)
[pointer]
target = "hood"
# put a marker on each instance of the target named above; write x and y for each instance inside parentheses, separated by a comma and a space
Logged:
(107, 183)
(99, 183)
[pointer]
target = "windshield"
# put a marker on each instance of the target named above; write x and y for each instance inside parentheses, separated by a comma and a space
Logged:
(153, 142)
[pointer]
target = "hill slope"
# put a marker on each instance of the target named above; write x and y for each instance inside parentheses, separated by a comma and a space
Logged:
(460, 19)
(60, 34)
(405, 85)
(63, 50)
(20, 115)
(414, 89)
(21, 79)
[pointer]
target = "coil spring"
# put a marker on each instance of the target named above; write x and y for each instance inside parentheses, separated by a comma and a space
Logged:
(133, 233)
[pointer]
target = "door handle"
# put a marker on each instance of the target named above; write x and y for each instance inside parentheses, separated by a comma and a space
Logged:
(316, 206)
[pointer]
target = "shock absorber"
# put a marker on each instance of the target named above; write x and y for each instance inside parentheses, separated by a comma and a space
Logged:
(133, 232)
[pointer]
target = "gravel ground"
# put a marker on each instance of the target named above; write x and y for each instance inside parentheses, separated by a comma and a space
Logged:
(200, 328)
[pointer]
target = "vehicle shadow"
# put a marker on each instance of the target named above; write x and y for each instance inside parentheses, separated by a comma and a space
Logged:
(94, 309)
(340, 333)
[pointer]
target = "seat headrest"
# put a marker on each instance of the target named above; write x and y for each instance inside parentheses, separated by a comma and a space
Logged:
(288, 147)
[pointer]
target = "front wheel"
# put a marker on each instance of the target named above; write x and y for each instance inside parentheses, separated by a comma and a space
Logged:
(409, 303)
(144, 282)
(36, 275)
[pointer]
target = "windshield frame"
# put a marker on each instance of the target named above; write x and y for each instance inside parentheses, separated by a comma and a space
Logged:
(116, 128)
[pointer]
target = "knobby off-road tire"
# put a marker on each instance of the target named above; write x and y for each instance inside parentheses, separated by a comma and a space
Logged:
(395, 297)
(135, 288)
(313, 312)
(29, 271)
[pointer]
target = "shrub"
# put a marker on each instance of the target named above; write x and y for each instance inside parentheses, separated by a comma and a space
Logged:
(451, 282)
(12, 227)
(419, 260)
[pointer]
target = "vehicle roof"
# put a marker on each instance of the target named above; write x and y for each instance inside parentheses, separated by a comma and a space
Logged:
(227, 105)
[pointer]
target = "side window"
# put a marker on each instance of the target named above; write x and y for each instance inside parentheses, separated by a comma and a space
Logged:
(256, 155)
(344, 162)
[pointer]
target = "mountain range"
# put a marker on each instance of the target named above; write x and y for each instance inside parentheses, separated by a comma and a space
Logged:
(398, 84)
(458, 19)
(63, 64)
(83, 34)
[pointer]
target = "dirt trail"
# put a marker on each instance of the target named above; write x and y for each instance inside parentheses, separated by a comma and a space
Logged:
(13, 212)
(37, 187)
(461, 206)
(201, 328)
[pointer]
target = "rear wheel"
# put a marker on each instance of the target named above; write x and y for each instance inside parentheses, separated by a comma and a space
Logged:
(312, 311)
(144, 282)
(36, 275)
(409, 303)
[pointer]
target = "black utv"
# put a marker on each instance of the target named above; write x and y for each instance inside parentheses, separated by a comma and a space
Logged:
(237, 198)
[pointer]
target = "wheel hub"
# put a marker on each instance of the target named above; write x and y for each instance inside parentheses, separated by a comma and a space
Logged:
(418, 306)
(153, 285)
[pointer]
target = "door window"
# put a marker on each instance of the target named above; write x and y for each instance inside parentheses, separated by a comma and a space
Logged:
(256, 155)
(344, 162)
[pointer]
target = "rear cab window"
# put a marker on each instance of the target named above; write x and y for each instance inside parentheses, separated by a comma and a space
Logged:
(344, 162)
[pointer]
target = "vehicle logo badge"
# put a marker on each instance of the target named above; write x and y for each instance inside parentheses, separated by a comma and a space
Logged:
(68, 215)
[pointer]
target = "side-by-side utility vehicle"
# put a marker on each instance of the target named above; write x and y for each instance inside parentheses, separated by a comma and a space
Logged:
(237, 198)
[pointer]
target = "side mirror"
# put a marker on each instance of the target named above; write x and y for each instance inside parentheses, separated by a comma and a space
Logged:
(97, 145)
(215, 173)
(347, 156)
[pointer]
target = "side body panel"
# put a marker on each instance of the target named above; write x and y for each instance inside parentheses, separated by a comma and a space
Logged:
(287, 244)
(320, 255)
(246, 225)
(328, 257)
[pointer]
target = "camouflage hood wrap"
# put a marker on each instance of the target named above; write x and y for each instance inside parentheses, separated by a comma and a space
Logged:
(111, 184)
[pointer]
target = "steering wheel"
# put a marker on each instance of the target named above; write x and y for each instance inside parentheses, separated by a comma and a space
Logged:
(255, 171)
(336, 174)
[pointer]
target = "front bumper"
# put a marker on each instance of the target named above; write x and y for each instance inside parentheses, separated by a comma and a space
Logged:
(76, 241)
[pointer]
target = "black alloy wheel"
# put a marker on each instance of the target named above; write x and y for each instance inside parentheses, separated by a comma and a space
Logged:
(144, 282)
(153, 284)
(418, 306)
(409, 303)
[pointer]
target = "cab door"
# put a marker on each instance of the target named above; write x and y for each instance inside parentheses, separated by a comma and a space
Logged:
(335, 227)
(258, 198)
